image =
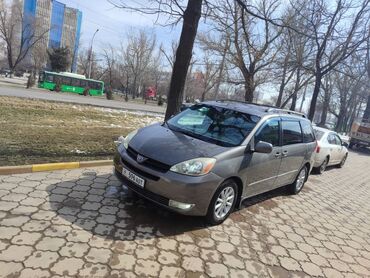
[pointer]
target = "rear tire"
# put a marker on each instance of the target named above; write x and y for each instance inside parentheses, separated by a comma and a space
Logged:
(341, 164)
(222, 203)
(321, 169)
(299, 182)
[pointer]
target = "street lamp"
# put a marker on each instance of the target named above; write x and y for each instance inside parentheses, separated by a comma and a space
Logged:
(90, 54)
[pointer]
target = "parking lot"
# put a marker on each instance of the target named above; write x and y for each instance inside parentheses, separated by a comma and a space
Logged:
(80, 223)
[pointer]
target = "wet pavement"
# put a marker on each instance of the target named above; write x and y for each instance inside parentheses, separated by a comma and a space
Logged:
(81, 223)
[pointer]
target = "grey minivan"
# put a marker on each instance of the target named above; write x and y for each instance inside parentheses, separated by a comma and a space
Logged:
(208, 158)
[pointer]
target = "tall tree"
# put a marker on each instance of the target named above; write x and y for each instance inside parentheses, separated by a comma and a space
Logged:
(190, 15)
(367, 68)
(184, 53)
(138, 55)
(338, 29)
(59, 59)
(251, 49)
(19, 32)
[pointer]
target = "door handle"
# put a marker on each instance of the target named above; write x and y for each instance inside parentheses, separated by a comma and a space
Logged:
(285, 153)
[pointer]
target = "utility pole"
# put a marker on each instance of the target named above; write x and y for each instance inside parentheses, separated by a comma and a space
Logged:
(90, 53)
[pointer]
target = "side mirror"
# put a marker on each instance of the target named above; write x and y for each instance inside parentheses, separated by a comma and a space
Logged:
(345, 144)
(263, 147)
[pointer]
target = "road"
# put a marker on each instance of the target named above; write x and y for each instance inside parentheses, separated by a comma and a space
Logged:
(72, 98)
(79, 223)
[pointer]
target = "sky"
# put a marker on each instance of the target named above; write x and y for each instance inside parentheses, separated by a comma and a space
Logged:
(114, 24)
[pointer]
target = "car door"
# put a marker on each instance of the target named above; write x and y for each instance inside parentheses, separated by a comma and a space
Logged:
(264, 167)
(339, 148)
(293, 151)
(333, 148)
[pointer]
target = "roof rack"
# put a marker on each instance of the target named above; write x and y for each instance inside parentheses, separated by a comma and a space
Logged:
(269, 108)
(246, 102)
(286, 111)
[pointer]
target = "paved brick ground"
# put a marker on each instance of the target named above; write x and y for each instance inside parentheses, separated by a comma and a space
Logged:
(79, 223)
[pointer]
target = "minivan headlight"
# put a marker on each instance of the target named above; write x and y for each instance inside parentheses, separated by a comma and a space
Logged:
(123, 141)
(194, 167)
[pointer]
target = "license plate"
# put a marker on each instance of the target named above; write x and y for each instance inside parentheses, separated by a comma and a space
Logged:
(132, 177)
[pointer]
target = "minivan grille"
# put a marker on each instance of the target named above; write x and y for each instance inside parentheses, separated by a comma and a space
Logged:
(150, 163)
(138, 171)
(142, 191)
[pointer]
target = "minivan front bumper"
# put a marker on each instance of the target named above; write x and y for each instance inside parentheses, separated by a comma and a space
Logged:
(187, 195)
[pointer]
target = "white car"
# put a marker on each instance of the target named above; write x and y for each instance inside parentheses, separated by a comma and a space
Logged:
(330, 150)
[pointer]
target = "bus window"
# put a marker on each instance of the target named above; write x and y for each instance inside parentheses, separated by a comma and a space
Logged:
(57, 79)
(95, 85)
(83, 83)
(75, 82)
(49, 77)
(66, 80)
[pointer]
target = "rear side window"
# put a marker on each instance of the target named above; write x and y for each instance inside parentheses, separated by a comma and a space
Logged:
(307, 131)
(292, 133)
(319, 134)
(331, 139)
(269, 132)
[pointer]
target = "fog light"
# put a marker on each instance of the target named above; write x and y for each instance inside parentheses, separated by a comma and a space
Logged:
(180, 205)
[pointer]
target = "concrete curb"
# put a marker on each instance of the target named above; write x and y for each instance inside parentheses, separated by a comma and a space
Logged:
(10, 170)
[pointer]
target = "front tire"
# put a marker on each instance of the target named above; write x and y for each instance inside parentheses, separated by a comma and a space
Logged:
(299, 182)
(222, 203)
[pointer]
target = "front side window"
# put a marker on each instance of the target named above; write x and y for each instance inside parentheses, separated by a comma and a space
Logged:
(338, 141)
(269, 132)
(292, 133)
(218, 125)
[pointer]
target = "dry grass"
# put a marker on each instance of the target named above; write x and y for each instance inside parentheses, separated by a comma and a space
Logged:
(33, 131)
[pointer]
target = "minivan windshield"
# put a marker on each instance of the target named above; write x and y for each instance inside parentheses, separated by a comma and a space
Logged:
(213, 124)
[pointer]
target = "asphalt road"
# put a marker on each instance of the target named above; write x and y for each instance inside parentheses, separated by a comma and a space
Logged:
(72, 98)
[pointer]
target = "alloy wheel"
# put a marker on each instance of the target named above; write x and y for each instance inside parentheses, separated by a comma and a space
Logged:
(300, 179)
(323, 166)
(224, 202)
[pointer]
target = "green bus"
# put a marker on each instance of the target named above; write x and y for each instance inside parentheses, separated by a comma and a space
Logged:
(70, 82)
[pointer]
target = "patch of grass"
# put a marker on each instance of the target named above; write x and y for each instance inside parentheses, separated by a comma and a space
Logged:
(34, 131)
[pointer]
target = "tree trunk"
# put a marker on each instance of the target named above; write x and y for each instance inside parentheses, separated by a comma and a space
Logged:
(325, 108)
(367, 110)
(183, 56)
(294, 102)
(249, 88)
(324, 115)
(303, 99)
(296, 89)
(315, 95)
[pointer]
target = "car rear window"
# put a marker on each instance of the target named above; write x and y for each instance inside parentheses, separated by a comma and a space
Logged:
(218, 125)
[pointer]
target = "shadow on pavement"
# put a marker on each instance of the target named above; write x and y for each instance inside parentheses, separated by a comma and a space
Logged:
(360, 151)
(110, 211)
